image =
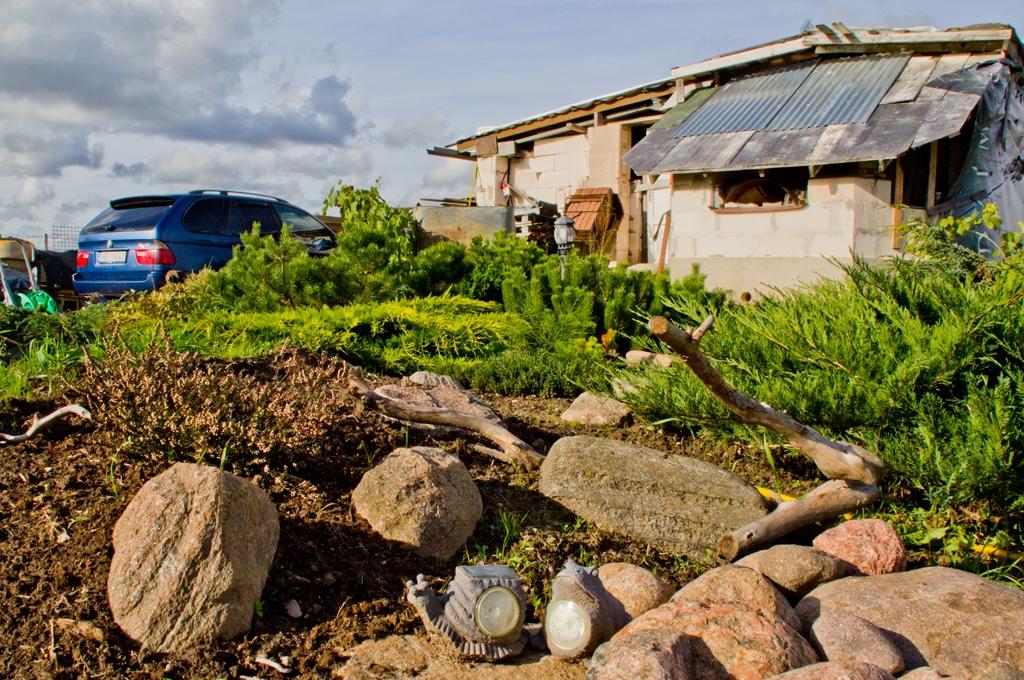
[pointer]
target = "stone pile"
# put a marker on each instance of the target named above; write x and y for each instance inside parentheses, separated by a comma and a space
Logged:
(841, 610)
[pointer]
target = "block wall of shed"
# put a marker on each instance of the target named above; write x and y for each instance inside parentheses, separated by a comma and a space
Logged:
(754, 251)
(553, 170)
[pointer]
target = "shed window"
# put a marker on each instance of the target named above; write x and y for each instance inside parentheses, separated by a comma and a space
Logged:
(749, 191)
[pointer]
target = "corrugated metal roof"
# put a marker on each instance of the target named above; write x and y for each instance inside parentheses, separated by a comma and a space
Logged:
(890, 129)
(839, 91)
(746, 104)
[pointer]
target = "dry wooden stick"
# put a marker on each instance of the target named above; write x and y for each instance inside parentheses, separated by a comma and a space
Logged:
(833, 498)
(39, 424)
(513, 449)
(855, 470)
(836, 460)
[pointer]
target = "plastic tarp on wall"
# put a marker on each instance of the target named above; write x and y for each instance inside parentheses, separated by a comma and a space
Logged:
(994, 169)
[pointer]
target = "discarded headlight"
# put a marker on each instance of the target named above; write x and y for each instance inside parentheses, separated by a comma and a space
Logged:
(581, 614)
(481, 613)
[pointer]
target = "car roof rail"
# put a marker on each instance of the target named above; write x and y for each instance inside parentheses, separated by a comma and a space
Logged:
(229, 192)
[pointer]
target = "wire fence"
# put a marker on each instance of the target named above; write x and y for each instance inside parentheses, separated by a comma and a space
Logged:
(62, 237)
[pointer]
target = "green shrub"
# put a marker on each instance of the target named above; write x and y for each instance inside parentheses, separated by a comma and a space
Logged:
(267, 274)
(377, 238)
(544, 373)
(918, 359)
(491, 262)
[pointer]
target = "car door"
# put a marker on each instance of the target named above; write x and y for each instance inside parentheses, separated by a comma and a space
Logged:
(248, 212)
(207, 241)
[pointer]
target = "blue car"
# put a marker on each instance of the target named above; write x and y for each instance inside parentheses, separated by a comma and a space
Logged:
(138, 242)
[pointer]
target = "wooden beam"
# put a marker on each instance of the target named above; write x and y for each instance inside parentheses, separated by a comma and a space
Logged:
(897, 206)
(577, 116)
(450, 153)
(933, 167)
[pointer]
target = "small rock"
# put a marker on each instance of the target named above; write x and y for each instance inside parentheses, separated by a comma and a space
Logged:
(837, 670)
(609, 483)
(796, 569)
(591, 409)
(740, 586)
(841, 636)
(329, 579)
(191, 555)
(292, 608)
(705, 640)
(639, 356)
(428, 380)
(423, 497)
(638, 589)
(872, 546)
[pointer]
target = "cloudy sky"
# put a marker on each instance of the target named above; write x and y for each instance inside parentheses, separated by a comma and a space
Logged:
(107, 98)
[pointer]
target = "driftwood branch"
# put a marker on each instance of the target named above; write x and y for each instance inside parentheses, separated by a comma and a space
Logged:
(40, 424)
(856, 470)
(831, 499)
(512, 448)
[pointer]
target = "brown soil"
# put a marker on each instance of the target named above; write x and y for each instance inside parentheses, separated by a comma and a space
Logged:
(62, 492)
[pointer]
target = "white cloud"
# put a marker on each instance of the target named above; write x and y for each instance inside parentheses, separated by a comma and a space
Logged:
(33, 192)
(426, 130)
(169, 69)
(448, 178)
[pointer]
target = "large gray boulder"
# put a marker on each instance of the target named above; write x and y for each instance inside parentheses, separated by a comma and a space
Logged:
(701, 641)
(675, 503)
(948, 619)
(422, 497)
(191, 556)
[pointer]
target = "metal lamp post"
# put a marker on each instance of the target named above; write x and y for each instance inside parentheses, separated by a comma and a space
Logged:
(565, 236)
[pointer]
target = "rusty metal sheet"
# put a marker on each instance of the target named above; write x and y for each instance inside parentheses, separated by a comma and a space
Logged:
(916, 73)
(650, 151)
(946, 117)
(706, 152)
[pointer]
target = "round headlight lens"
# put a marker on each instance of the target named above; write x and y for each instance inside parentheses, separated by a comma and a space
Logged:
(566, 626)
(498, 611)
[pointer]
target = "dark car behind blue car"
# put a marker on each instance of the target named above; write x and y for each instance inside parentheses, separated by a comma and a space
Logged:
(137, 242)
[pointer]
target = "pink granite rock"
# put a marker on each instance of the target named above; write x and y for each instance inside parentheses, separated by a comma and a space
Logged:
(638, 589)
(837, 670)
(702, 641)
(871, 546)
(739, 585)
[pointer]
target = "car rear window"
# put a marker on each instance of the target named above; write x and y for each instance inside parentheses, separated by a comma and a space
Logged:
(118, 219)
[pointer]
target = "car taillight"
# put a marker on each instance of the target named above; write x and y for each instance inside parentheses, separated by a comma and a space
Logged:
(154, 253)
(82, 259)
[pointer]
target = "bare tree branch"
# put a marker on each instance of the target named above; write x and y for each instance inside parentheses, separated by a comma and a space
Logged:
(854, 471)
(40, 424)
(513, 449)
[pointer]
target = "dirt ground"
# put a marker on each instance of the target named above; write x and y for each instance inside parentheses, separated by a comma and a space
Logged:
(61, 493)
